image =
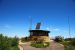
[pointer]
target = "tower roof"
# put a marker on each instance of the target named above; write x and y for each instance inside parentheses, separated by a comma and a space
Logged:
(39, 31)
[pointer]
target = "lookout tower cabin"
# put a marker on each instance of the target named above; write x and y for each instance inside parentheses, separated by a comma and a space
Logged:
(38, 34)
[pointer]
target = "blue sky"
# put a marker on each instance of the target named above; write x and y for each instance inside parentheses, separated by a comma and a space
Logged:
(53, 15)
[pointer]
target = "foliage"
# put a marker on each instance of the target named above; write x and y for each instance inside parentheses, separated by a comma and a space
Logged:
(59, 39)
(14, 41)
(25, 39)
(39, 44)
(6, 43)
(67, 39)
(73, 41)
(68, 46)
(69, 43)
(14, 48)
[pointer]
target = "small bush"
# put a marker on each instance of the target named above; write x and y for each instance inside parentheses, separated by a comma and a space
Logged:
(25, 39)
(73, 41)
(15, 48)
(14, 41)
(40, 44)
(58, 39)
(7, 43)
(69, 44)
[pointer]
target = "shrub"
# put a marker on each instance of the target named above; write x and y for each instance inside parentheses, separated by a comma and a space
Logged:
(73, 41)
(14, 41)
(6, 43)
(68, 39)
(69, 44)
(40, 44)
(58, 39)
(25, 39)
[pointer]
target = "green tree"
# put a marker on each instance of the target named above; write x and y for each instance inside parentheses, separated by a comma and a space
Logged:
(4, 43)
(14, 41)
(7, 43)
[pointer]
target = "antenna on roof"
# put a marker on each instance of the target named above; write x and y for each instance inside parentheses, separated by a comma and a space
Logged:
(30, 22)
(45, 21)
(69, 27)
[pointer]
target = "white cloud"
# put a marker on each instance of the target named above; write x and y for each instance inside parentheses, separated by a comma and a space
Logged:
(53, 29)
(7, 26)
(56, 29)
(47, 28)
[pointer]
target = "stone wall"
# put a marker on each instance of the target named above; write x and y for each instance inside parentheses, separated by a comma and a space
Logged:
(44, 38)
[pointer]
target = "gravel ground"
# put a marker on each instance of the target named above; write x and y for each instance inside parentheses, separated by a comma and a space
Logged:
(53, 46)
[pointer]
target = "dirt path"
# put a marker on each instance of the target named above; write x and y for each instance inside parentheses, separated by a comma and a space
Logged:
(56, 46)
(53, 46)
